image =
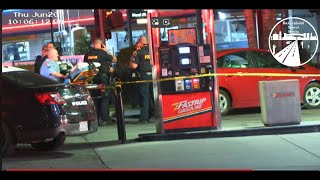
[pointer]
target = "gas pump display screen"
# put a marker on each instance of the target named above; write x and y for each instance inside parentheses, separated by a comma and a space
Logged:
(184, 50)
(185, 61)
(186, 35)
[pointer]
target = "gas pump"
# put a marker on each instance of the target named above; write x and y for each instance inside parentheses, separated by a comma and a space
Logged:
(186, 103)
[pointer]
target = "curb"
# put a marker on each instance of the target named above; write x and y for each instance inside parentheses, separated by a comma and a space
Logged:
(231, 133)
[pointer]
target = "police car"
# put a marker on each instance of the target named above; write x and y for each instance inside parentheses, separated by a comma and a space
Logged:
(42, 112)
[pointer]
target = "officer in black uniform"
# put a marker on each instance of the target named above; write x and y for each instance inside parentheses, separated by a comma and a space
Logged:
(99, 54)
(135, 75)
(143, 65)
(41, 58)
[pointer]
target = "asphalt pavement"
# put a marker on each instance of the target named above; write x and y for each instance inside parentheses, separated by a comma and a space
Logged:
(102, 150)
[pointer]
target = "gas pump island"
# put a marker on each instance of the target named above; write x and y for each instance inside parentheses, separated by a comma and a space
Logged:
(186, 103)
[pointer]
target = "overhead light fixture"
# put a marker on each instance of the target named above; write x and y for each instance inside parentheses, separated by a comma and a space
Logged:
(222, 15)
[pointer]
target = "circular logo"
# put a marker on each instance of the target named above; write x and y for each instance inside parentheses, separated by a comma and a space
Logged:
(293, 41)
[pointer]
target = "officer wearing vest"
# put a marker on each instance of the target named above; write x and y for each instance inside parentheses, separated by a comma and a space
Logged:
(143, 65)
(99, 54)
(135, 75)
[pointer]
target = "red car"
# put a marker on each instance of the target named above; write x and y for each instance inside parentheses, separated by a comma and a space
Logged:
(243, 91)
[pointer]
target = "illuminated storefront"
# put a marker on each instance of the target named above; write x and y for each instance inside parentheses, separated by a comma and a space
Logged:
(24, 32)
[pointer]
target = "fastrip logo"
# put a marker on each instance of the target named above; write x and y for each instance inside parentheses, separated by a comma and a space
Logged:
(282, 95)
(187, 106)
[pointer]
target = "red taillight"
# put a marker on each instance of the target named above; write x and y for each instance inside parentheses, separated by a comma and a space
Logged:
(50, 98)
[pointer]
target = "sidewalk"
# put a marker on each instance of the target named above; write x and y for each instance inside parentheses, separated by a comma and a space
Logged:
(273, 152)
(102, 150)
(299, 151)
(234, 125)
(264, 152)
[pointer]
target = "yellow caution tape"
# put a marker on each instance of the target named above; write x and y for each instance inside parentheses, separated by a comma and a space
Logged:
(223, 74)
(118, 84)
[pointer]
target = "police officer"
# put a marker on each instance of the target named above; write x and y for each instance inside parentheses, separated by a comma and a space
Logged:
(99, 54)
(134, 77)
(44, 55)
(40, 59)
(52, 46)
(143, 65)
(50, 67)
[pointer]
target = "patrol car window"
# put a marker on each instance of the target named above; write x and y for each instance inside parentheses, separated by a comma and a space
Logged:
(27, 78)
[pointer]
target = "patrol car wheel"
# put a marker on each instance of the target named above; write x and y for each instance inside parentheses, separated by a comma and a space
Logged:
(311, 98)
(55, 144)
(7, 140)
(225, 102)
